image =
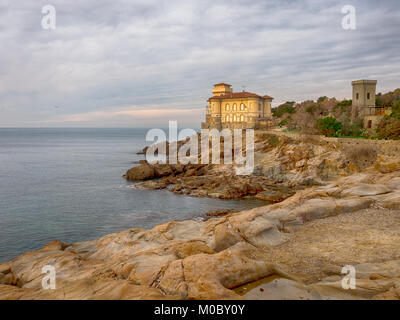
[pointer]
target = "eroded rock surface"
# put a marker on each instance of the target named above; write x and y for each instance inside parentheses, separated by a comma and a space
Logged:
(306, 238)
(344, 214)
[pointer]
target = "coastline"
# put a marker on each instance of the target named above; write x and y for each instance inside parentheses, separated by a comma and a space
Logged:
(305, 240)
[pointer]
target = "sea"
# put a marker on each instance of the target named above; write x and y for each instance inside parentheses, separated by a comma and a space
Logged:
(66, 184)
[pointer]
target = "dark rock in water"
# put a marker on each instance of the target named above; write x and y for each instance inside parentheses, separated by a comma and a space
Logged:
(140, 162)
(142, 172)
(142, 151)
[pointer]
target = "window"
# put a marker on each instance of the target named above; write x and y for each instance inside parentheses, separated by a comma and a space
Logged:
(234, 107)
(259, 106)
(357, 96)
(227, 118)
(368, 95)
(234, 118)
(241, 118)
(227, 107)
(242, 106)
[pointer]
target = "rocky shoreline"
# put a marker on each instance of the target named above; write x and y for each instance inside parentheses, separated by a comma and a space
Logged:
(343, 209)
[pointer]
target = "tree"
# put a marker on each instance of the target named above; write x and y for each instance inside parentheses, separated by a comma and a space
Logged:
(287, 107)
(328, 126)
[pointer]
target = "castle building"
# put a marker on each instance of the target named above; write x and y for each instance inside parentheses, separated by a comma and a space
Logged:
(364, 97)
(237, 110)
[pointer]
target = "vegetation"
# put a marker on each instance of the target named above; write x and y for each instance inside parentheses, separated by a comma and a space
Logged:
(273, 141)
(329, 126)
(389, 127)
(285, 108)
(285, 121)
(332, 117)
(388, 99)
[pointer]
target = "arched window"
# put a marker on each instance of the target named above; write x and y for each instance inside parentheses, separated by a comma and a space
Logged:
(241, 118)
(234, 107)
(227, 118)
(227, 107)
(242, 106)
(234, 118)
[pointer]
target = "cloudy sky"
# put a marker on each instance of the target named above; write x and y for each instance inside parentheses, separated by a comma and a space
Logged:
(124, 63)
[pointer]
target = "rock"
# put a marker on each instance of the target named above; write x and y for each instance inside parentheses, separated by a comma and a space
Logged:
(231, 268)
(279, 289)
(363, 190)
(190, 248)
(273, 195)
(173, 281)
(257, 230)
(162, 170)
(154, 184)
(5, 268)
(308, 235)
(394, 183)
(55, 245)
(142, 172)
(225, 236)
(220, 212)
(387, 164)
(8, 279)
(322, 208)
(143, 151)
(389, 201)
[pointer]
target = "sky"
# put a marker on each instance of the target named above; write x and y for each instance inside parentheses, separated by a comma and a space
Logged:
(140, 63)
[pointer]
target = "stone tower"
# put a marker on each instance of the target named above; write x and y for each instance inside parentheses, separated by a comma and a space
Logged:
(364, 96)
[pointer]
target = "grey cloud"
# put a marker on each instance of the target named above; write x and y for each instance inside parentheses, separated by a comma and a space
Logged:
(166, 54)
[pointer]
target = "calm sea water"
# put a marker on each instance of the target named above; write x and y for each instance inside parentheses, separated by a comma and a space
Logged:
(67, 184)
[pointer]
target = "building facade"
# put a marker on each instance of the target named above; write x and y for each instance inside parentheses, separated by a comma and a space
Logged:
(364, 97)
(237, 110)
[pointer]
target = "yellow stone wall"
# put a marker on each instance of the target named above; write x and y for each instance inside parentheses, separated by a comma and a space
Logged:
(221, 89)
(239, 110)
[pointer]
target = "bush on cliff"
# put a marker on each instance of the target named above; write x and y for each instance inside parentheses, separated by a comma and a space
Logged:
(389, 126)
(329, 126)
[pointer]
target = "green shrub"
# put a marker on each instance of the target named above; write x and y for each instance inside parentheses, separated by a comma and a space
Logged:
(344, 107)
(287, 107)
(311, 108)
(273, 140)
(329, 126)
(285, 121)
(320, 99)
(352, 130)
(395, 110)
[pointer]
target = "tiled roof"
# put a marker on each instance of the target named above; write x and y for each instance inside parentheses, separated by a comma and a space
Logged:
(222, 83)
(239, 95)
